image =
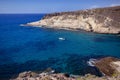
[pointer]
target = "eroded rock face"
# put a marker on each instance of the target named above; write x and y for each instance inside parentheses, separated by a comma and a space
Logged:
(109, 66)
(101, 20)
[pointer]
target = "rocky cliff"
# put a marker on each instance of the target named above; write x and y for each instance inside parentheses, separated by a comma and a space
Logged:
(101, 20)
(109, 66)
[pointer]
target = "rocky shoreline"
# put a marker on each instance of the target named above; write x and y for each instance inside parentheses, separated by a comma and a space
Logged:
(100, 20)
(109, 66)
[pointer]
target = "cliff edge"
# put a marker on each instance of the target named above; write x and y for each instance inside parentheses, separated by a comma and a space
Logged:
(100, 20)
(109, 66)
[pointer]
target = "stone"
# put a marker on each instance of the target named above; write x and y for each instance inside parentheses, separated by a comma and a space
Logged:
(27, 74)
(108, 66)
(100, 20)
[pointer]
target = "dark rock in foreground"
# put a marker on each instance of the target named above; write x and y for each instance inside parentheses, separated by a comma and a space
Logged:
(109, 66)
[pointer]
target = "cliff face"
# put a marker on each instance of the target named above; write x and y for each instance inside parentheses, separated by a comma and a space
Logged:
(101, 20)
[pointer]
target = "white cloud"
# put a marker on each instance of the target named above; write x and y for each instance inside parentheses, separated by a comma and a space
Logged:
(114, 5)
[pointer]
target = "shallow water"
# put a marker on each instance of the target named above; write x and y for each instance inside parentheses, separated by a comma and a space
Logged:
(32, 48)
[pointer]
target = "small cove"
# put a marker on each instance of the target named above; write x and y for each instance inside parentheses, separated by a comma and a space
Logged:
(35, 49)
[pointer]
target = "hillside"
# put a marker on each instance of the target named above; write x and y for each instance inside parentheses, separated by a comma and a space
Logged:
(100, 20)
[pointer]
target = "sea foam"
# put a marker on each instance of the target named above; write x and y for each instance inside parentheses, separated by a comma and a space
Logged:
(91, 62)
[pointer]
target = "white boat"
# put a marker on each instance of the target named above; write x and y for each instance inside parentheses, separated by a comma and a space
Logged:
(60, 38)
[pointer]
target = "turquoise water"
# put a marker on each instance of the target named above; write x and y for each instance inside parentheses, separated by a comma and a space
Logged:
(32, 48)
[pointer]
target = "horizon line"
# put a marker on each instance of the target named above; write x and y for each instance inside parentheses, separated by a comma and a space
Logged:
(59, 11)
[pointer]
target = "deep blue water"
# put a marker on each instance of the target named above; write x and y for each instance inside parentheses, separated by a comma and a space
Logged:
(32, 48)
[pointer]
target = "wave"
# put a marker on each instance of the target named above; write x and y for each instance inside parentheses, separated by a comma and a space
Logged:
(91, 62)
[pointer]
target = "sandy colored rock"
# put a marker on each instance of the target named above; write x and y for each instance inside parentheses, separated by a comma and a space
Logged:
(60, 76)
(101, 20)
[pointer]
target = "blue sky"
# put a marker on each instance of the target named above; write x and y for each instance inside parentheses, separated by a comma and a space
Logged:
(49, 6)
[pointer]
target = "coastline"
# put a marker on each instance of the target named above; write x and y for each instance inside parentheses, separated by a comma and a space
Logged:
(88, 20)
(49, 74)
(67, 29)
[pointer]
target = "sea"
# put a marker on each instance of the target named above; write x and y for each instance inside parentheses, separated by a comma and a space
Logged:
(26, 48)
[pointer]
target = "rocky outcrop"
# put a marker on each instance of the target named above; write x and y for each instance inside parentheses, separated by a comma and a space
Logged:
(108, 66)
(61, 76)
(101, 20)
